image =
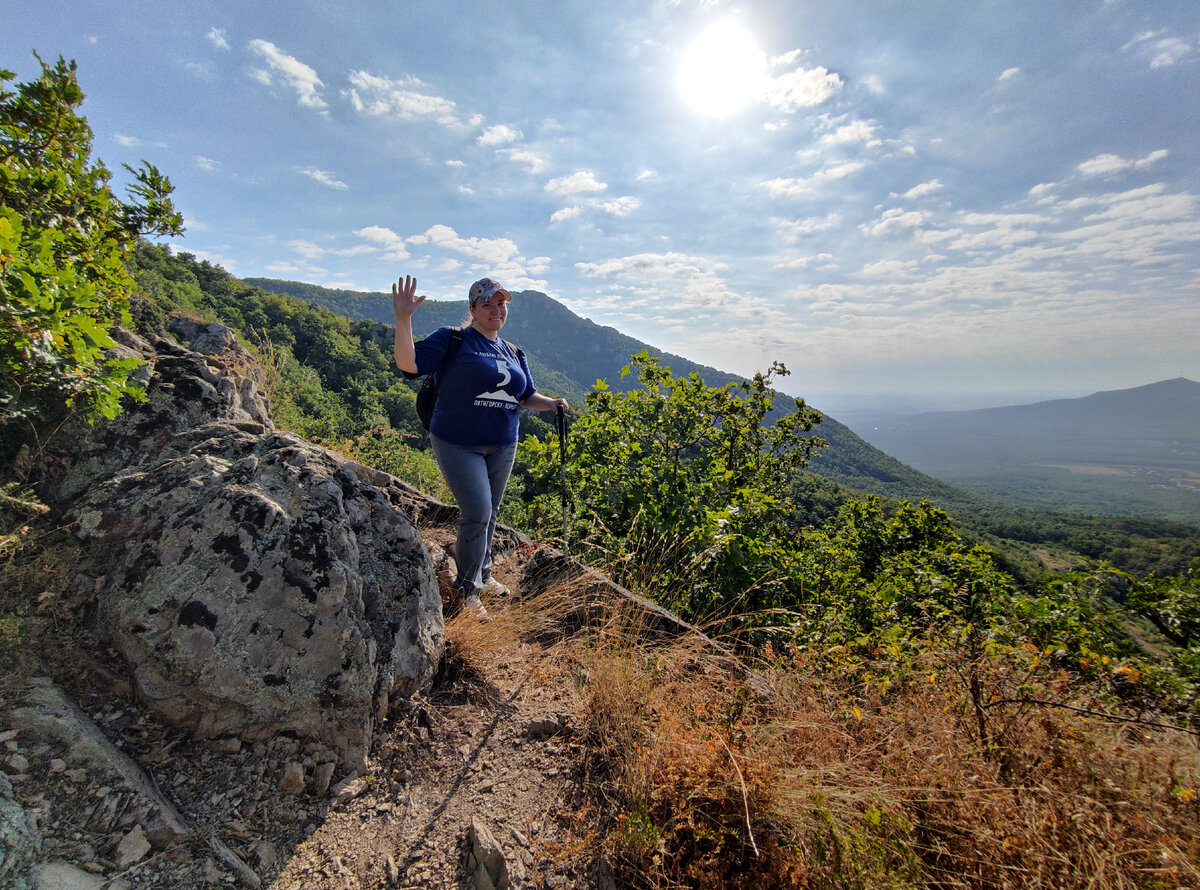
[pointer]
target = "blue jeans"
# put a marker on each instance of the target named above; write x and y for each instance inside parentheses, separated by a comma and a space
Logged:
(476, 475)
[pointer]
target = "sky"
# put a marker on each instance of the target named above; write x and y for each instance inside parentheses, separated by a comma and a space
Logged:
(911, 205)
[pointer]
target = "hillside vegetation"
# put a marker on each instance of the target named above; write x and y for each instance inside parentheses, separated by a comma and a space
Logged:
(891, 706)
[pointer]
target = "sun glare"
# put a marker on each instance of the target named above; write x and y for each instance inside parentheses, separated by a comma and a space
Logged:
(722, 70)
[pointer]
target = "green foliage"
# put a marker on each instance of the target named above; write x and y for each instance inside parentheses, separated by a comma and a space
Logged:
(63, 239)
(680, 487)
(1172, 604)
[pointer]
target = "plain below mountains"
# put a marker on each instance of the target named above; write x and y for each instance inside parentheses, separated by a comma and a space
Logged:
(1131, 451)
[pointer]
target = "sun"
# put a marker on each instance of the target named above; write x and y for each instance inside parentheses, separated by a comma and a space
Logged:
(722, 70)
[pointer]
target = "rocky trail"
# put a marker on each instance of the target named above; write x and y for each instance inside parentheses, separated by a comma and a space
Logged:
(478, 783)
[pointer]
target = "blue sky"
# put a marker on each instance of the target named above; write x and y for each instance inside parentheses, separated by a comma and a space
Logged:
(932, 204)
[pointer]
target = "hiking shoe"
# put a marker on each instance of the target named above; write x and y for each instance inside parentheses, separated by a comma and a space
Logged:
(474, 605)
(494, 587)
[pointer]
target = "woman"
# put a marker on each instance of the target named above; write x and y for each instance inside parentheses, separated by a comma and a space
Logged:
(474, 425)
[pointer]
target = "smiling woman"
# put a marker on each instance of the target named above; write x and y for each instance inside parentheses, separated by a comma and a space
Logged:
(722, 70)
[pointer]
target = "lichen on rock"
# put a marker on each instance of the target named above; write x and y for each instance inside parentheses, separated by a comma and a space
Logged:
(255, 583)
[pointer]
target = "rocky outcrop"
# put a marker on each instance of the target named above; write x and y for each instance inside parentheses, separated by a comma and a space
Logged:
(255, 583)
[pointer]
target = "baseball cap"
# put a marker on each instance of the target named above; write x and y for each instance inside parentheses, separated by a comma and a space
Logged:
(484, 288)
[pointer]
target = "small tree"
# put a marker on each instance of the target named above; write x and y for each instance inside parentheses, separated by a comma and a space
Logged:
(679, 488)
(63, 240)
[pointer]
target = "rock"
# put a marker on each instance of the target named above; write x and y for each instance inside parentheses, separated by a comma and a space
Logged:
(322, 776)
(164, 832)
(49, 712)
(64, 876)
(265, 855)
(293, 779)
(348, 789)
(255, 583)
(132, 848)
(548, 726)
(19, 843)
(486, 861)
(18, 764)
(210, 339)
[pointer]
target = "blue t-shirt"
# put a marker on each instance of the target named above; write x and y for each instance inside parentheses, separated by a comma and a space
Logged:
(480, 389)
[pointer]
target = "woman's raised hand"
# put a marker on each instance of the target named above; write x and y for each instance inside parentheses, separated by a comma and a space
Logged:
(404, 299)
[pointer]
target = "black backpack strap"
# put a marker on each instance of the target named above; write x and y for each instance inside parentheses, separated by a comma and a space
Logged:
(456, 341)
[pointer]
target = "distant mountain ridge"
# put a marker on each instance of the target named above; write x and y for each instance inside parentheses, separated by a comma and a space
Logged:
(1167, 409)
(1138, 447)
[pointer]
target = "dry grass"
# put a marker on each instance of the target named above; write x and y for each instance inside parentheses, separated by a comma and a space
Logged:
(823, 782)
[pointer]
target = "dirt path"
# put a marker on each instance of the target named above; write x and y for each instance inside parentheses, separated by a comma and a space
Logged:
(493, 743)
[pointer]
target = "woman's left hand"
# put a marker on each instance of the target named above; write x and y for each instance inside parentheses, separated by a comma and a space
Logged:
(539, 402)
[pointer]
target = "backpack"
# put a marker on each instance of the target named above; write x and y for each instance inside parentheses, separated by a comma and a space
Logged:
(428, 393)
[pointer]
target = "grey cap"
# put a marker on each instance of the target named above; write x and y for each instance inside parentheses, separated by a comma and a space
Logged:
(484, 288)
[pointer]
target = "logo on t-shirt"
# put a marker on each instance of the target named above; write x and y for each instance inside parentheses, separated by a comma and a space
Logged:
(499, 398)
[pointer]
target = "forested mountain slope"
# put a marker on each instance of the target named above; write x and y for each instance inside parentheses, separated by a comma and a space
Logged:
(582, 352)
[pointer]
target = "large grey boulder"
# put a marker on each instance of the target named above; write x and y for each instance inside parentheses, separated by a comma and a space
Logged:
(255, 583)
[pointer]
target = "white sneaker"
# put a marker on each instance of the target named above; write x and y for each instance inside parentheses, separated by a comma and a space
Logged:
(494, 587)
(475, 606)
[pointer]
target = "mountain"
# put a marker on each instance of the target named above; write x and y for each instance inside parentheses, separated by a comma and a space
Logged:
(568, 354)
(1133, 451)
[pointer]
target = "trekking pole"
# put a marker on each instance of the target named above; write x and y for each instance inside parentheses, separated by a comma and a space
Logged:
(560, 421)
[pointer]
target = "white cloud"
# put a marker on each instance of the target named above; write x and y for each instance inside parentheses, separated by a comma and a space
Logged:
(491, 251)
(670, 287)
(532, 161)
(308, 249)
(855, 131)
(392, 244)
(201, 70)
(403, 99)
(208, 165)
(324, 177)
(803, 88)
(875, 84)
(501, 134)
(890, 269)
(576, 184)
(1110, 164)
(1008, 74)
(284, 268)
(1160, 48)
(295, 74)
(645, 175)
(893, 222)
(787, 59)
(620, 206)
(127, 141)
(217, 38)
(799, 187)
(924, 188)
(565, 214)
(793, 230)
